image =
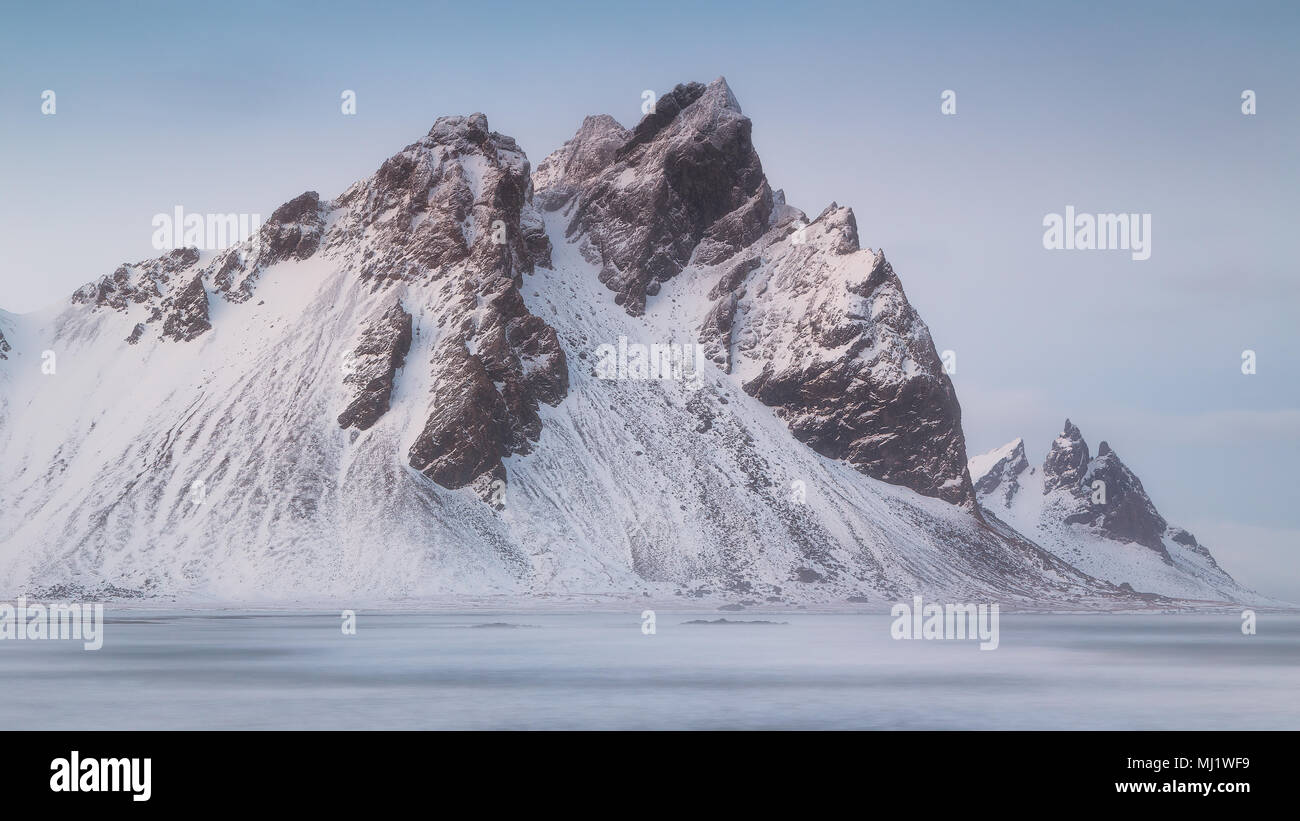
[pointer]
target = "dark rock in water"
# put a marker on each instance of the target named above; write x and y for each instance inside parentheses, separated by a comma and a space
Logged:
(728, 621)
(502, 625)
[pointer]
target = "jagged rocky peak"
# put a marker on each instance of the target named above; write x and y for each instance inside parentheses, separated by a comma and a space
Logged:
(687, 183)
(815, 327)
(1067, 460)
(1098, 516)
(1098, 492)
(145, 282)
(4, 346)
(461, 195)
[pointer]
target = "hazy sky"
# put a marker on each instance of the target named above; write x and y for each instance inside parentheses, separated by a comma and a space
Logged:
(1109, 107)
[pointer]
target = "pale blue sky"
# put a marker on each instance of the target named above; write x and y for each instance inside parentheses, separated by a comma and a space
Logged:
(1108, 107)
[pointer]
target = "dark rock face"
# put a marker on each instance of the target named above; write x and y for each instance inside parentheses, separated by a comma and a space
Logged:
(4, 347)
(293, 232)
(1067, 461)
(688, 177)
(855, 374)
(468, 432)
(458, 205)
(687, 188)
(373, 364)
(460, 196)
(187, 312)
(1126, 514)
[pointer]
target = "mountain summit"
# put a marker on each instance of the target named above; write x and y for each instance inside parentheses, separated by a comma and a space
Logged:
(398, 393)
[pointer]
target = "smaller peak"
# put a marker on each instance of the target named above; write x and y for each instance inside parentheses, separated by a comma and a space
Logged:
(473, 128)
(1071, 431)
(297, 209)
(1103, 449)
(600, 123)
(722, 94)
(842, 226)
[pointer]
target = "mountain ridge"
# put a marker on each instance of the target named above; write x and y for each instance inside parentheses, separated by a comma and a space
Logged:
(394, 391)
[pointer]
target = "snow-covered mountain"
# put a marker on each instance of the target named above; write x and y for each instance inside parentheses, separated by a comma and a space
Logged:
(1094, 513)
(400, 392)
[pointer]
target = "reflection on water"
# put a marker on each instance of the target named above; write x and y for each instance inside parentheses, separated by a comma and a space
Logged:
(597, 670)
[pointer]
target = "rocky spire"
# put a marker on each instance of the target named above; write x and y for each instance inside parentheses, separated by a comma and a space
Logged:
(1067, 460)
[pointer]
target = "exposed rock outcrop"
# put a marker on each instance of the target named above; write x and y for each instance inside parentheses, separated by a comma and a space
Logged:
(372, 364)
(186, 312)
(458, 205)
(1067, 461)
(688, 177)
(146, 282)
(294, 231)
